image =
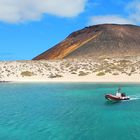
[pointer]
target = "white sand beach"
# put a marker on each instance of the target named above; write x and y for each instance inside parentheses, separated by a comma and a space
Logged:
(72, 70)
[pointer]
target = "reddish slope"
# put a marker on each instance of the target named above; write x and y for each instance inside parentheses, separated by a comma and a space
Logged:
(97, 41)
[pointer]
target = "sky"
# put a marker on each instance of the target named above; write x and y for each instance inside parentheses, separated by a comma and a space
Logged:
(30, 27)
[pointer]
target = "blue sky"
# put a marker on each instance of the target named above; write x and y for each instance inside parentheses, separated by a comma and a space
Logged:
(31, 27)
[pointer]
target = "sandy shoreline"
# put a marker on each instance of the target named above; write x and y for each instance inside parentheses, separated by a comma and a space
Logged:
(85, 79)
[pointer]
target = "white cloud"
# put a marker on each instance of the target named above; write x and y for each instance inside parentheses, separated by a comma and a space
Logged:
(15, 11)
(109, 19)
(134, 10)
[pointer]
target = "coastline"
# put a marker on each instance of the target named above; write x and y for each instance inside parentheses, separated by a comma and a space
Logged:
(77, 79)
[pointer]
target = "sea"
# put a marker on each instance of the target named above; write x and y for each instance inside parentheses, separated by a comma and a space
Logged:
(68, 111)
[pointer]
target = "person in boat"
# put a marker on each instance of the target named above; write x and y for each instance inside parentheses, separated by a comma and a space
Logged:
(120, 94)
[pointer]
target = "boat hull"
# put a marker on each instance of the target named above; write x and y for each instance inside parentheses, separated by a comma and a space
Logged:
(111, 97)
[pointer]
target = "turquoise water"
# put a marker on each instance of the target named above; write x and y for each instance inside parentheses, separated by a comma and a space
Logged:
(67, 112)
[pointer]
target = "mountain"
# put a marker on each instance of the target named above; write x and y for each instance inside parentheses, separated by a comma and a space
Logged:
(99, 41)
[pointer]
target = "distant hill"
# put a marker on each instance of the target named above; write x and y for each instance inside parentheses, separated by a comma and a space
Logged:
(99, 41)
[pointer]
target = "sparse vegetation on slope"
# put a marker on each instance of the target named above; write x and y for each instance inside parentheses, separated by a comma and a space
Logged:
(27, 73)
(69, 67)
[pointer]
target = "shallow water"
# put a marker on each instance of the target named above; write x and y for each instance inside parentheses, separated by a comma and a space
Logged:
(75, 111)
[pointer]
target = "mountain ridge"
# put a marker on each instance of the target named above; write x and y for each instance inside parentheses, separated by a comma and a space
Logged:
(104, 40)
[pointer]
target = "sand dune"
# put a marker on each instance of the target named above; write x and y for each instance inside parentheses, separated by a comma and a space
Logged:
(72, 70)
